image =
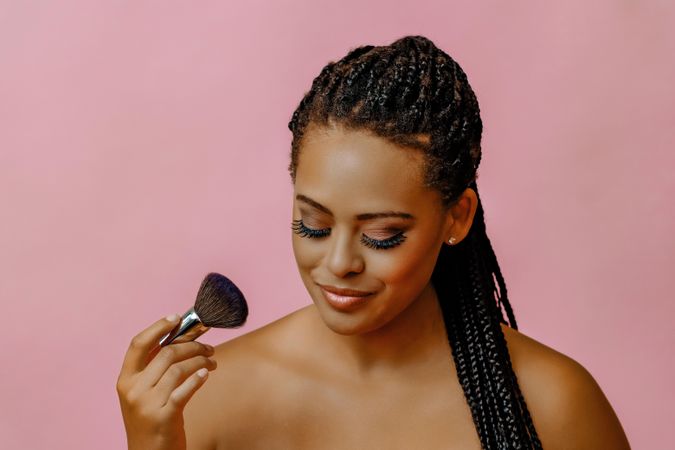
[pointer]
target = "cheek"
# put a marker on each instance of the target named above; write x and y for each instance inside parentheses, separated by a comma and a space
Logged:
(306, 254)
(405, 276)
(408, 269)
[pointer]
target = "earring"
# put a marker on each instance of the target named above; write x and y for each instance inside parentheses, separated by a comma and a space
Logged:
(452, 240)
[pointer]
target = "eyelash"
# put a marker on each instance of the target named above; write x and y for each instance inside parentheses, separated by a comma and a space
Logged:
(299, 228)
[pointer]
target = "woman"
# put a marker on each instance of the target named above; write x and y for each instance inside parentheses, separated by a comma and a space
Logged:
(405, 344)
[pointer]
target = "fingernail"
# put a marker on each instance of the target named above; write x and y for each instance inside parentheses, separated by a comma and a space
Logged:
(202, 372)
(172, 317)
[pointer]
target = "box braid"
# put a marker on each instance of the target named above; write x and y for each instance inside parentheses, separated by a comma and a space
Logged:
(415, 95)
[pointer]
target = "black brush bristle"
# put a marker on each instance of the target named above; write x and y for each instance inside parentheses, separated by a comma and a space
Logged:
(220, 303)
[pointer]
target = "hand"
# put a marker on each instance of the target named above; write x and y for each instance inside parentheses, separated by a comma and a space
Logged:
(156, 383)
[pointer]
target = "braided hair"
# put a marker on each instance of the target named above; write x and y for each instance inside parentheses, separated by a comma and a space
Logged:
(414, 94)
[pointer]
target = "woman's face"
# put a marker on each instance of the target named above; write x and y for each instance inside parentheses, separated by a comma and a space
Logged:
(344, 181)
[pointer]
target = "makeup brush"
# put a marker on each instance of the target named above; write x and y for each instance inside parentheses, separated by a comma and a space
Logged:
(219, 304)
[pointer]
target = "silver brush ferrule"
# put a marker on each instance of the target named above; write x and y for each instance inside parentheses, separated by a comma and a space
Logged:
(189, 329)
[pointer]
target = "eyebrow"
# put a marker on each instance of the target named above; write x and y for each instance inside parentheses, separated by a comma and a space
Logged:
(360, 217)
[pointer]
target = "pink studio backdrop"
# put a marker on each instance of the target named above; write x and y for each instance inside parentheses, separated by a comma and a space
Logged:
(144, 144)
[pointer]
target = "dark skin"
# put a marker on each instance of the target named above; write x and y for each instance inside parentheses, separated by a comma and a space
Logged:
(381, 376)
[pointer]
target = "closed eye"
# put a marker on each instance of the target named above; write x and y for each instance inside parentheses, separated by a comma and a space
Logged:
(380, 244)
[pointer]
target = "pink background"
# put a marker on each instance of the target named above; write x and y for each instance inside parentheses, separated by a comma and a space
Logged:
(144, 144)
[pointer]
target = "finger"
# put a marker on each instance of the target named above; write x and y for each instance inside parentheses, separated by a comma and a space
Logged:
(177, 374)
(168, 355)
(183, 393)
(136, 356)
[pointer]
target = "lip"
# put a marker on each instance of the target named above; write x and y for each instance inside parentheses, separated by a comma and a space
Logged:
(344, 292)
(344, 302)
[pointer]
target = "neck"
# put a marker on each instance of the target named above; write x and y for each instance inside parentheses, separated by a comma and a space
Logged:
(408, 342)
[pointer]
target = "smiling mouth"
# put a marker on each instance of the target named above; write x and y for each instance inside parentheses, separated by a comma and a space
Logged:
(345, 303)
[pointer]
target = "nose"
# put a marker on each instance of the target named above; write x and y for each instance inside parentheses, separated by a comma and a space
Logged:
(344, 257)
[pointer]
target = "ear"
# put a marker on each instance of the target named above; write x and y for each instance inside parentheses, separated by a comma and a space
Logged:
(460, 216)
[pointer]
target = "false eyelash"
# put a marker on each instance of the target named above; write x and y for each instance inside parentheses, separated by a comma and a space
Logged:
(299, 227)
(383, 244)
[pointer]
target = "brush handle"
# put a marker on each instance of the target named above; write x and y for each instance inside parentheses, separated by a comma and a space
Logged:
(189, 329)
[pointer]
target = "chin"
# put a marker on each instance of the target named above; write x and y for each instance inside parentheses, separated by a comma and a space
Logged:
(346, 324)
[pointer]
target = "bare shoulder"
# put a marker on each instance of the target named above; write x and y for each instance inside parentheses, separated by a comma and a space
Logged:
(568, 407)
(234, 399)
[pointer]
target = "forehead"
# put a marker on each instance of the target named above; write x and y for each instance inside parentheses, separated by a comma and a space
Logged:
(346, 165)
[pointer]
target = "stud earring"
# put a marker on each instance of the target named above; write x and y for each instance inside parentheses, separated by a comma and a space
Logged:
(452, 240)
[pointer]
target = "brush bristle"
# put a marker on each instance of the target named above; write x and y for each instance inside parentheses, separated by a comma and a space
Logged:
(220, 303)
